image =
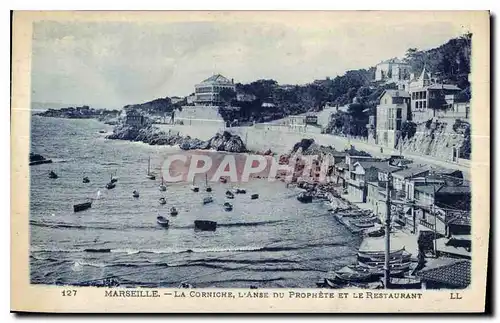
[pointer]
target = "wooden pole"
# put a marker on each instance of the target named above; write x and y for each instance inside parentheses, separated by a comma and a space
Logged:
(387, 269)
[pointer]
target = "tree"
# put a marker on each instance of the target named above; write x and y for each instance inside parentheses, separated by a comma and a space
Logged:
(227, 95)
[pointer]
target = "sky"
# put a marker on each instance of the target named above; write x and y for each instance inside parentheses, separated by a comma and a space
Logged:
(112, 64)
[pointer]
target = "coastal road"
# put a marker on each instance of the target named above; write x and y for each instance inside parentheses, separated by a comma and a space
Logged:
(281, 141)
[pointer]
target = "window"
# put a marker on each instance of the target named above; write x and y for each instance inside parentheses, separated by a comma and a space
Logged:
(398, 124)
(424, 95)
(424, 104)
(398, 113)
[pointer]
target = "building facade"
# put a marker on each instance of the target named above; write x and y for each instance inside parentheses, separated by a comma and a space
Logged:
(392, 70)
(207, 93)
(428, 98)
(392, 111)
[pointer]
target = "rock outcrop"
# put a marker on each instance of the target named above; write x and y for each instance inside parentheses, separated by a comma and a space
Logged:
(224, 141)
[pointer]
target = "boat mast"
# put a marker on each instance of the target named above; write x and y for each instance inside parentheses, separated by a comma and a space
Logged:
(149, 162)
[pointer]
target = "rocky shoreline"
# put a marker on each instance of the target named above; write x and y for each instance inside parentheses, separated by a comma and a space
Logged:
(224, 141)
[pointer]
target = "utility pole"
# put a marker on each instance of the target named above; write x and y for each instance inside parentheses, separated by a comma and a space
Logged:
(433, 211)
(387, 269)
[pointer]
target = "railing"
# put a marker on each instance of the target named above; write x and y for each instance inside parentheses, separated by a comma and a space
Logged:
(426, 224)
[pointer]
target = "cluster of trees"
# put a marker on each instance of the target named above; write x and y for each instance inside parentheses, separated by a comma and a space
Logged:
(160, 106)
(291, 100)
(450, 62)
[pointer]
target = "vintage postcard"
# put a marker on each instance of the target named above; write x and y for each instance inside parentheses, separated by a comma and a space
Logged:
(321, 162)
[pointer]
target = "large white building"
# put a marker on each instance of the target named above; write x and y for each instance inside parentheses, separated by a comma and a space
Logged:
(392, 111)
(207, 92)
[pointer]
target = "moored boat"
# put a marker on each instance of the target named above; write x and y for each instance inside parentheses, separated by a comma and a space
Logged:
(162, 221)
(82, 206)
(52, 174)
(135, 194)
(194, 188)
(207, 200)
(86, 179)
(36, 159)
(207, 187)
(355, 274)
(162, 186)
(205, 225)
(254, 196)
(162, 200)
(305, 197)
(110, 185)
(173, 211)
(239, 190)
(150, 175)
(229, 195)
(228, 206)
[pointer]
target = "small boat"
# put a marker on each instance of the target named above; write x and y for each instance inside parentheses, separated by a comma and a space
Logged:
(150, 175)
(53, 175)
(114, 179)
(228, 206)
(111, 183)
(254, 196)
(229, 195)
(239, 190)
(185, 285)
(328, 283)
(102, 131)
(223, 180)
(361, 224)
(305, 198)
(205, 225)
(194, 188)
(36, 159)
(163, 200)
(405, 283)
(173, 211)
(82, 206)
(162, 187)
(354, 274)
(103, 250)
(135, 194)
(86, 179)
(207, 187)
(207, 200)
(162, 221)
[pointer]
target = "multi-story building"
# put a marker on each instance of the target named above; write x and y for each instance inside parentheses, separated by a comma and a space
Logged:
(392, 111)
(392, 70)
(428, 97)
(208, 92)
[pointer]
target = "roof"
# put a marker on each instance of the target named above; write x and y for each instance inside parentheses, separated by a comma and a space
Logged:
(458, 217)
(455, 190)
(393, 60)
(424, 75)
(217, 78)
(412, 171)
(396, 93)
(429, 189)
(443, 87)
(380, 165)
(452, 272)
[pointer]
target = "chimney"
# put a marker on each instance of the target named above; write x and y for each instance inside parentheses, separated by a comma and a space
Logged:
(232, 81)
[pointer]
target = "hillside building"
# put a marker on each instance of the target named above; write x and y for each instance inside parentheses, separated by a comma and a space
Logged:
(208, 92)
